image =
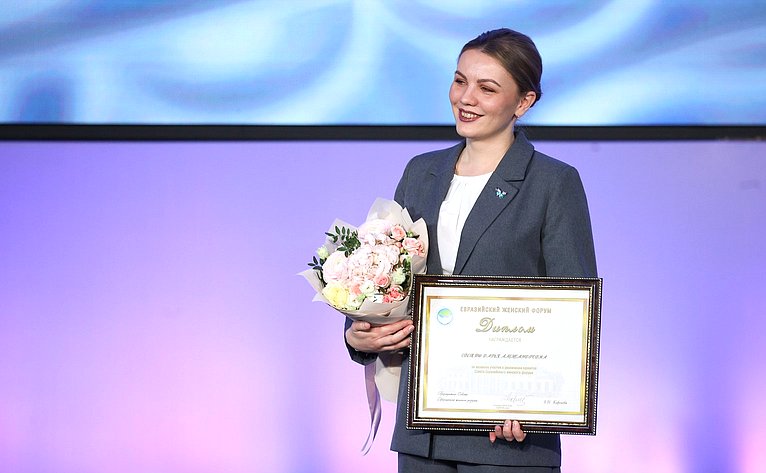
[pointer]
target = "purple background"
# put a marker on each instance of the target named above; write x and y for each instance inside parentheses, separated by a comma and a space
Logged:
(151, 318)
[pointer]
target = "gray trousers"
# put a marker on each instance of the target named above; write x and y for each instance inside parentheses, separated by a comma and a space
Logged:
(416, 464)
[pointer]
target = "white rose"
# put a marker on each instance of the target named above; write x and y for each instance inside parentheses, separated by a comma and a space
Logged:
(367, 287)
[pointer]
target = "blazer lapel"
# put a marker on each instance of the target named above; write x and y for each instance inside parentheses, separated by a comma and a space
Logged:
(441, 174)
(502, 187)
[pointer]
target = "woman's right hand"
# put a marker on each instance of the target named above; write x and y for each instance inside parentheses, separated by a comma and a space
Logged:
(368, 338)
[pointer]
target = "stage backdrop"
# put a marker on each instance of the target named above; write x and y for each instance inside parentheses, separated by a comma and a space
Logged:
(319, 62)
(151, 318)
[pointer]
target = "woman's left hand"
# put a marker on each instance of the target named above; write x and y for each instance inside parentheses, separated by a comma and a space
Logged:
(510, 431)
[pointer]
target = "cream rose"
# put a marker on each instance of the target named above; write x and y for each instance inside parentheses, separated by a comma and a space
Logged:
(336, 294)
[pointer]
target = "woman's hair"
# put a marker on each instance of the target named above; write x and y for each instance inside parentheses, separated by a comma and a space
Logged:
(517, 54)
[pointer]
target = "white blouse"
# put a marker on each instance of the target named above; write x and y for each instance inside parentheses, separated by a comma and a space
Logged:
(461, 197)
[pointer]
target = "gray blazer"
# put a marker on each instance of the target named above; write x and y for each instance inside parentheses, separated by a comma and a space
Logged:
(531, 219)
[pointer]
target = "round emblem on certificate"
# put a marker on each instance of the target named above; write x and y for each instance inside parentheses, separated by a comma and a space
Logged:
(444, 316)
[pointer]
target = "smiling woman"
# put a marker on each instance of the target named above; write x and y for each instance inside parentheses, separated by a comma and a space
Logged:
(493, 206)
(485, 101)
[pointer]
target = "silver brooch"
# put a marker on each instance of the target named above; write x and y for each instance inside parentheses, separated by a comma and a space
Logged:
(499, 193)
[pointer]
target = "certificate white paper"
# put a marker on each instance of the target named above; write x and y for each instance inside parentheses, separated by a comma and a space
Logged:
(489, 349)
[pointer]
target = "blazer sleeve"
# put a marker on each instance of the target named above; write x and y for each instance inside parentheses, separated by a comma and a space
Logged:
(567, 237)
(399, 194)
(361, 357)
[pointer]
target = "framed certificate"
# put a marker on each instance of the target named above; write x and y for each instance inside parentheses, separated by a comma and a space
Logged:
(487, 349)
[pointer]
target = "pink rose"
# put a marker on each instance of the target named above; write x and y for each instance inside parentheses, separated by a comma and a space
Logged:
(394, 294)
(354, 289)
(382, 280)
(398, 232)
(413, 246)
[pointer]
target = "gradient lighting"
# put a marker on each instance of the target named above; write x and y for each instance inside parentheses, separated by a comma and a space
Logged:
(318, 62)
(151, 318)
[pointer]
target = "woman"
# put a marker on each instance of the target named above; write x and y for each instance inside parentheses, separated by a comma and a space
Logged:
(493, 206)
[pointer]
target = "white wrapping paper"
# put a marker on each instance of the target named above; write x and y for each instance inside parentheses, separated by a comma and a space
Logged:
(382, 377)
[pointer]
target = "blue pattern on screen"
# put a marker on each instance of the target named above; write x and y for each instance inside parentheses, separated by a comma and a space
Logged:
(316, 62)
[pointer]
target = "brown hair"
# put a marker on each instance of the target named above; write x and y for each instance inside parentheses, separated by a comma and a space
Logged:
(518, 55)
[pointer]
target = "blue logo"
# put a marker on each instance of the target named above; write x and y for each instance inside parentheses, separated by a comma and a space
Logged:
(444, 316)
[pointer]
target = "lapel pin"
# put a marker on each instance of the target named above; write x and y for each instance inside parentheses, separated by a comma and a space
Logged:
(499, 193)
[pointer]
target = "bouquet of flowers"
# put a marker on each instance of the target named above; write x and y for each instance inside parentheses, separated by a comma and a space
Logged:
(366, 273)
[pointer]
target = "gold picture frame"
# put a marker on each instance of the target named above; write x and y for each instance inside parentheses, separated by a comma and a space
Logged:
(490, 348)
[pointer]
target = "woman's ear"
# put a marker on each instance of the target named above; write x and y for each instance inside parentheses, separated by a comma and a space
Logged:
(525, 103)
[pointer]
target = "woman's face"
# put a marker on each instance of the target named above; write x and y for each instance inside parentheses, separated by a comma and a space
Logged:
(485, 98)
